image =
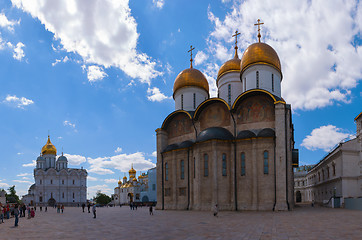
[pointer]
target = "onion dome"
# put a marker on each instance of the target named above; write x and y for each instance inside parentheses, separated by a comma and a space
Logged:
(49, 148)
(124, 178)
(135, 179)
(119, 182)
(233, 65)
(132, 171)
(260, 53)
(191, 77)
(62, 158)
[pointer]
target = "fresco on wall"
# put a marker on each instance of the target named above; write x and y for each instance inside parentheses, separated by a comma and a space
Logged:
(214, 115)
(255, 109)
(179, 125)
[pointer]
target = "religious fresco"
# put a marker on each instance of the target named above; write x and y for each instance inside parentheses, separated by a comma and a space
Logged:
(180, 124)
(214, 115)
(255, 109)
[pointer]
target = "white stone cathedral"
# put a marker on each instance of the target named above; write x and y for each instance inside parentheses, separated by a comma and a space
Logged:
(55, 183)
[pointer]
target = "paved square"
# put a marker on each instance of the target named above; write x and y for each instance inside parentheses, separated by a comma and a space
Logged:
(122, 223)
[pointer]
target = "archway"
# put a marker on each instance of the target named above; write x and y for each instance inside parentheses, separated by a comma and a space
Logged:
(298, 196)
(51, 202)
(145, 199)
(130, 195)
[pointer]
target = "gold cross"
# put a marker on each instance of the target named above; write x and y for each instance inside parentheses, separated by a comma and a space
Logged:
(236, 37)
(191, 48)
(258, 24)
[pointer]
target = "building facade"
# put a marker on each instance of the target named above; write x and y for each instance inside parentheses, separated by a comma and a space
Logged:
(338, 174)
(2, 197)
(55, 183)
(234, 150)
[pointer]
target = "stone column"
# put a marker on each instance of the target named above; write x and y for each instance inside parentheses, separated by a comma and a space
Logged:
(162, 139)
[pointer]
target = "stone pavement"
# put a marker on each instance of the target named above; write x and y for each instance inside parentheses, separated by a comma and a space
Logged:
(122, 223)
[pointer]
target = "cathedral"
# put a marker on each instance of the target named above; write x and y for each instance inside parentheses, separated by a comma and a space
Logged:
(55, 182)
(235, 150)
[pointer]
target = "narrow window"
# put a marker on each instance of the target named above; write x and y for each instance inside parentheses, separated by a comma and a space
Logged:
(319, 176)
(229, 94)
(266, 162)
(182, 169)
(166, 171)
(242, 164)
(51, 195)
(51, 181)
(73, 195)
(334, 169)
(257, 79)
(206, 165)
(153, 187)
(327, 172)
(62, 195)
(41, 182)
(194, 167)
(224, 164)
(63, 182)
(244, 84)
(182, 101)
(272, 82)
(323, 173)
(194, 100)
(73, 182)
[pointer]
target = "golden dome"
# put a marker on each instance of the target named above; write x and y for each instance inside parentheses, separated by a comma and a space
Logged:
(119, 182)
(233, 65)
(260, 53)
(125, 177)
(132, 171)
(135, 179)
(191, 77)
(49, 148)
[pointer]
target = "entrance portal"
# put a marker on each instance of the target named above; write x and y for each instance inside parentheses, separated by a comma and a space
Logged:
(298, 196)
(51, 202)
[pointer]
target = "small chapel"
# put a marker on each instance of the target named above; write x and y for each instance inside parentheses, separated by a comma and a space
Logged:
(235, 150)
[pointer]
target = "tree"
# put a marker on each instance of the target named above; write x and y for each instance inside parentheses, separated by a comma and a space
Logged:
(102, 198)
(12, 197)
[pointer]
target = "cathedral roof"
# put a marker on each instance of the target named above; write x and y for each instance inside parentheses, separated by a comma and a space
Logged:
(233, 65)
(260, 53)
(214, 133)
(49, 148)
(191, 77)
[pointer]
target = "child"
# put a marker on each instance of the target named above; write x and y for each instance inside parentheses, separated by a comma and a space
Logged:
(32, 212)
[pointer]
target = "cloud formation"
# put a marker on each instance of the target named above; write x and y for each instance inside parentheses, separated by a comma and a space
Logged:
(68, 123)
(101, 32)
(6, 23)
(32, 164)
(200, 57)
(95, 73)
(324, 137)
(159, 3)
(75, 159)
(155, 95)
(17, 102)
(317, 45)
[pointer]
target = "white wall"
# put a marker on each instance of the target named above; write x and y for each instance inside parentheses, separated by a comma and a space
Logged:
(232, 78)
(188, 98)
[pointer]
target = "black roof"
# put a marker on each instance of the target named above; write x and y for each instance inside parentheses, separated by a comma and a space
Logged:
(214, 133)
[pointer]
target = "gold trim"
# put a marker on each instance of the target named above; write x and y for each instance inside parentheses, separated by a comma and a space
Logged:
(254, 90)
(173, 113)
(209, 100)
(262, 63)
(357, 116)
(218, 78)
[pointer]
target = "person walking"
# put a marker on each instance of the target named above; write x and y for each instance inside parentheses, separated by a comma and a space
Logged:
(58, 208)
(7, 211)
(94, 211)
(83, 206)
(88, 207)
(46, 208)
(216, 210)
(16, 214)
(62, 208)
(151, 209)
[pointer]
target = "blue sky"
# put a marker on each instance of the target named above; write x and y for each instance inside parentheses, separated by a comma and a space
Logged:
(98, 75)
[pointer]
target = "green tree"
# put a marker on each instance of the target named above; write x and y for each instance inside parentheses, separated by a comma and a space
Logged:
(11, 196)
(102, 198)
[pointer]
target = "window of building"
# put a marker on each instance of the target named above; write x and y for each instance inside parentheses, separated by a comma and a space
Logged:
(319, 176)
(63, 182)
(51, 195)
(224, 164)
(334, 169)
(229, 94)
(242, 164)
(73, 181)
(272, 82)
(41, 182)
(206, 165)
(257, 79)
(182, 169)
(137, 196)
(73, 195)
(327, 172)
(182, 191)
(62, 195)
(167, 192)
(266, 162)
(182, 101)
(51, 181)
(244, 84)
(153, 187)
(194, 100)
(40, 199)
(166, 171)
(323, 173)
(194, 167)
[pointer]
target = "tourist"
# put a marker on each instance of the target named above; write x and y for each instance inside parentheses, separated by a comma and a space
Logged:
(34, 207)
(83, 206)
(58, 208)
(216, 210)
(46, 208)
(41, 208)
(88, 207)
(94, 211)
(151, 210)
(16, 214)
(1, 213)
(32, 212)
(62, 208)
(7, 211)
(29, 211)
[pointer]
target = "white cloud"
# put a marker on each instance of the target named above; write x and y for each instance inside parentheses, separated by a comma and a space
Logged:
(32, 164)
(102, 33)
(95, 73)
(154, 154)
(100, 170)
(20, 153)
(118, 150)
(92, 190)
(200, 57)
(319, 54)
(23, 174)
(23, 181)
(3, 184)
(68, 123)
(159, 3)
(155, 95)
(18, 102)
(89, 178)
(64, 60)
(18, 51)
(111, 180)
(6, 23)
(75, 159)
(324, 137)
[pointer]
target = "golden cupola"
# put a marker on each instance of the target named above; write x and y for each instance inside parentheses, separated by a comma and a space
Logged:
(49, 148)
(260, 53)
(233, 65)
(132, 173)
(190, 77)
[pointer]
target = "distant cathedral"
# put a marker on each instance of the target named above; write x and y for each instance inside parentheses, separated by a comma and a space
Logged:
(55, 182)
(235, 150)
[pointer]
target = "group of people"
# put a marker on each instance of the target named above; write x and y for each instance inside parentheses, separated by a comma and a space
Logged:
(17, 211)
(94, 210)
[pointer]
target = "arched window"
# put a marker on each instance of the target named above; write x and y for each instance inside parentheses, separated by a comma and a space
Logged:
(73, 195)
(51, 181)
(242, 164)
(327, 172)
(257, 79)
(319, 176)
(229, 94)
(41, 182)
(73, 181)
(272, 82)
(224, 164)
(206, 165)
(334, 169)
(166, 171)
(244, 84)
(62, 195)
(266, 162)
(194, 100)
(63, 182)
(182, 169)
(182, 101)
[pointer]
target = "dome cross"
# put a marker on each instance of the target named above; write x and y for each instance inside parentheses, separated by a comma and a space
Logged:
(258, 24)
(236, 38)
(191, 48)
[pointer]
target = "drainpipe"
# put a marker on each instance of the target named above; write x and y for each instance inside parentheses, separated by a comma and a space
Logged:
(275, 177)
(286, 157)
(163, 187)
(188, 179)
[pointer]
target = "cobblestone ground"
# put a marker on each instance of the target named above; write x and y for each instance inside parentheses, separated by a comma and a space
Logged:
(122, 223)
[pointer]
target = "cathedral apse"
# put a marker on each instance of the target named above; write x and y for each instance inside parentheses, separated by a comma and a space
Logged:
(179, 125)
(215, 115)
(255, 109)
